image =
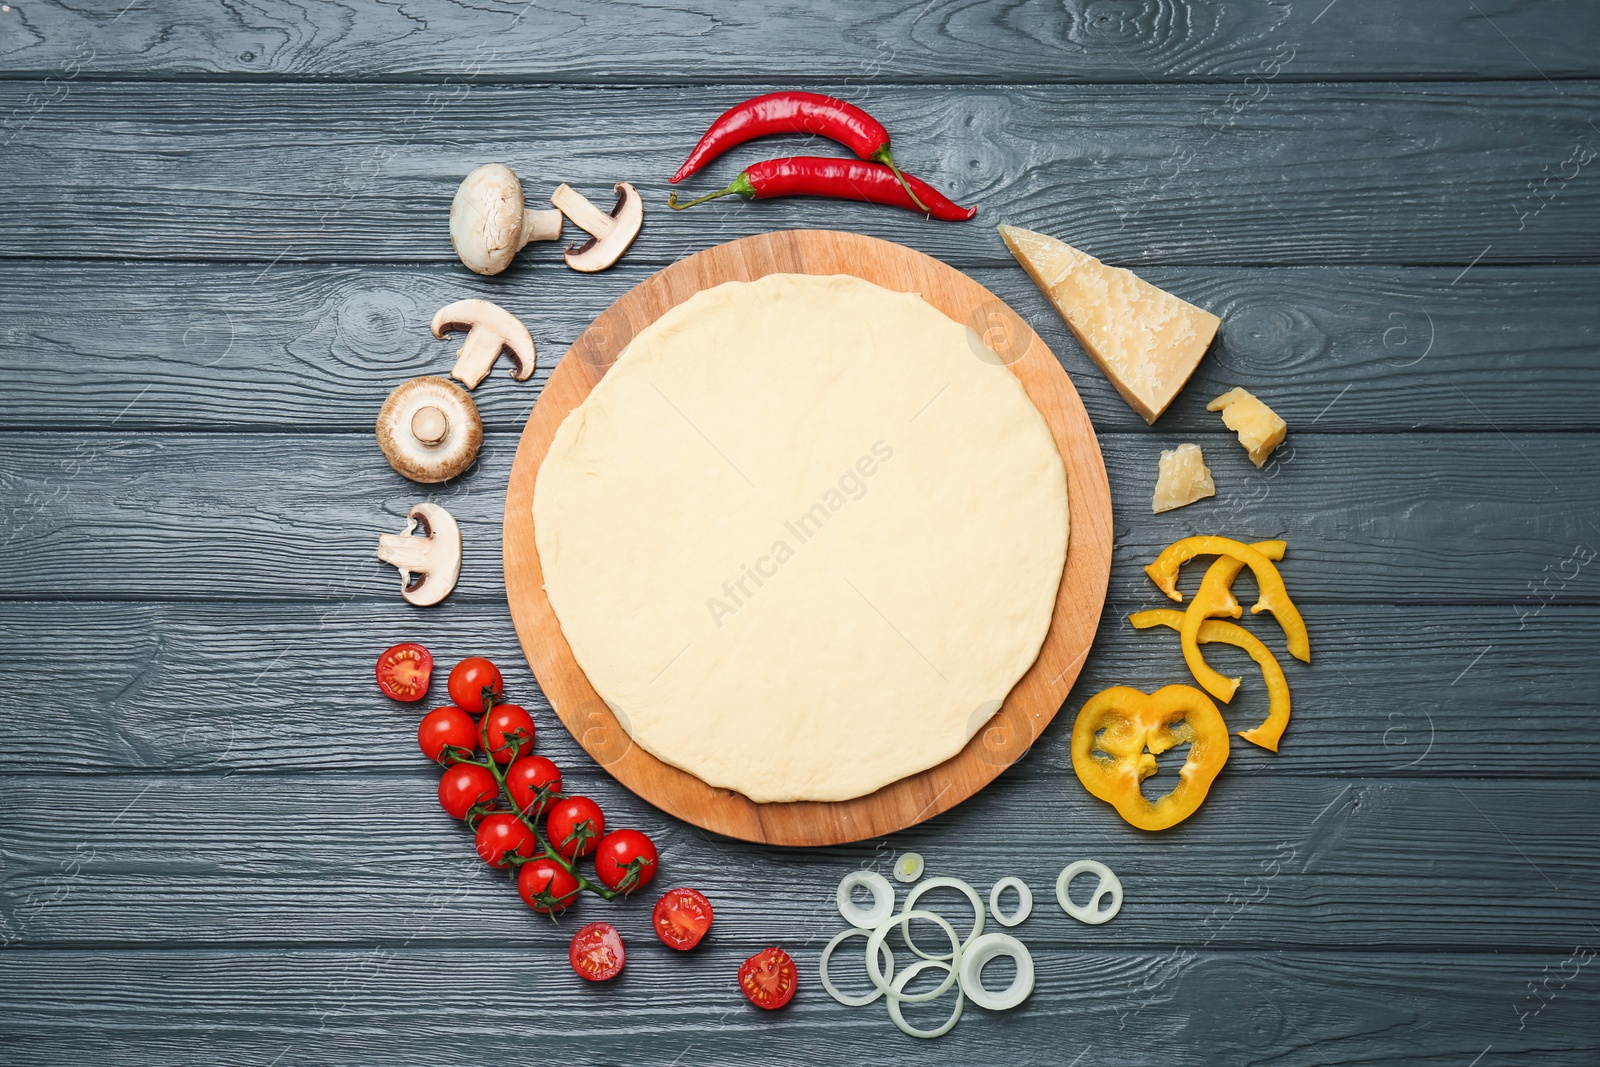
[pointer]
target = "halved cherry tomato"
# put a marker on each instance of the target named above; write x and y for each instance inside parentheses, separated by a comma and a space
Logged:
(681, 918)
(464, 785)
(446, 726)
(504, 724)
(404, 672)
(625, 860)
(546, 886)
(597, 953)
(575, 826)
(768, 978)
(526, 777)
(502, 834)
(468, 680)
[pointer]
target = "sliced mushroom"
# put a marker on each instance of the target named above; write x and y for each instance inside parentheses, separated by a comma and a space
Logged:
(430, 429)
(491, 329)
(489, 223)
(610, 235)
(428, 554)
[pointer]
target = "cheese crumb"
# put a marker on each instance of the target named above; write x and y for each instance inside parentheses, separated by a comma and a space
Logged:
(1184, 478)
(1147, 341)
(1258, 426)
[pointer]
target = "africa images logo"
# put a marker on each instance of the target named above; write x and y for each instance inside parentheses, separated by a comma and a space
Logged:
(851, 485)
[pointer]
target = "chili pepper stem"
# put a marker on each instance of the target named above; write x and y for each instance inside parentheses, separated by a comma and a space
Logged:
(884, 156)
(740, 185)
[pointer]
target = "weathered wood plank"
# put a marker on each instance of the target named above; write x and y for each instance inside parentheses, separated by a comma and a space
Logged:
(246, 688)
(500, 1002)
(902, 41)
(198, 346)
(1306, 174)
(1484, 518)
(1357, 863)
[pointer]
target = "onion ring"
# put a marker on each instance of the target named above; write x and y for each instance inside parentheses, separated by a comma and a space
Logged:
(881, 981)
(902, 980)
(909, 867)
(882, 899)
(1090, 913)
(833, 990)
(1024, 901)
(981, 951)
(939, 883)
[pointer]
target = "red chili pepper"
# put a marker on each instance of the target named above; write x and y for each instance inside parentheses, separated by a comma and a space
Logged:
(846, 179)
(794, 112)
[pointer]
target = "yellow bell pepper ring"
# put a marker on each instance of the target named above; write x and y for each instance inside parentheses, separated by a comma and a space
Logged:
(1213, 598)
(1258, 557)
(1270, 732)
(1120, 732)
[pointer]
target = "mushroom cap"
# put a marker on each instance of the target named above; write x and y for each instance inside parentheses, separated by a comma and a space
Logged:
(428, 554)
(486, 218)
(598, 253)
(405, 413)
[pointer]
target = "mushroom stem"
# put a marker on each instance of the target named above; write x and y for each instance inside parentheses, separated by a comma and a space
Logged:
(429, 425)
(479, 350)
(575, 206)
(540, 225)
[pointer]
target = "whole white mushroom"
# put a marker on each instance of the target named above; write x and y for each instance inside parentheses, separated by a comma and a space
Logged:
(490, 223)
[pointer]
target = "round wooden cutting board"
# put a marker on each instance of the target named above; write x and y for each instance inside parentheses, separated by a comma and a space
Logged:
(1032, 703)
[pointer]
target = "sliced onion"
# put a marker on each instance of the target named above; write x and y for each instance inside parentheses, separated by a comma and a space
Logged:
(897, 996)
(881, 981)
(979, 952)
(908, 868)
(1090, 913)
(827, 983)
(940, 883)
(1024, 901)
(882, 899)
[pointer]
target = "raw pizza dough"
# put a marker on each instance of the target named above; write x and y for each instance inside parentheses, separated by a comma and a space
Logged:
(804, 536)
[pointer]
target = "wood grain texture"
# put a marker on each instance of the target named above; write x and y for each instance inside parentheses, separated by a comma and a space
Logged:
(1394, 692)
(336, 859)
(1484, 518)
(638, 41)
(1031, 703)
(386, 1002)
(1448, 174)
(194, 346)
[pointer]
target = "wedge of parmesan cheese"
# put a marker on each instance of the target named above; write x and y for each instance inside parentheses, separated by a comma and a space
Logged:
(1144, 339)
(1183, 479)
(1258, 426)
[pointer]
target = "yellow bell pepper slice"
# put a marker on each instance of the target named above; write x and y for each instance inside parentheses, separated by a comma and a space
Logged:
(1270, 732)
(1258, 557)
(1120, 732)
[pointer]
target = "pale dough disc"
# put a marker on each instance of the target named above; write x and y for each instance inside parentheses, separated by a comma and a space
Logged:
(801, 537)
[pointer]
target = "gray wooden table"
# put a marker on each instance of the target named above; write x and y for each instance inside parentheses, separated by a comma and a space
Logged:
(222, 235)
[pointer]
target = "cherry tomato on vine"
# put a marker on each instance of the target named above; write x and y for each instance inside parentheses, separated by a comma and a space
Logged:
(681, 918)
(464, 785)
(573, 820)
(621, 852)
(446, 726)
(404, 672)
(768, 978)
(502, 834)
(468, 680)
(502, 724)
(597, 953)
(526, 777)
(547, 886)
